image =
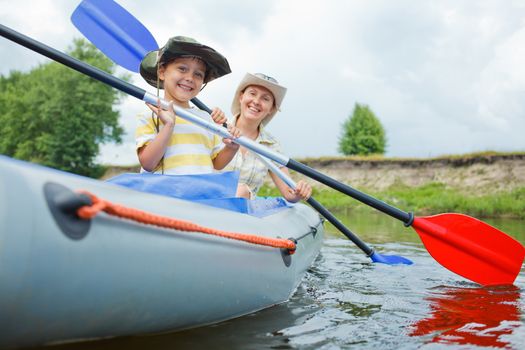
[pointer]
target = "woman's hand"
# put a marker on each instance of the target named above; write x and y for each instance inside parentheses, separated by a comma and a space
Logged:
(302, 191)
(218, 116)
(236, 133)
(167, 117)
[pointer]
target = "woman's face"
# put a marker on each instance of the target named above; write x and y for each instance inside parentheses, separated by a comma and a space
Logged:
(256, 103)
(183, 79)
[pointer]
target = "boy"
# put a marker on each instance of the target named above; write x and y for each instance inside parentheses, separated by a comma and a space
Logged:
(169, 144)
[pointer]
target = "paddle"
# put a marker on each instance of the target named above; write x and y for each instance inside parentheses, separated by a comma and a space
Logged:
(462, 244)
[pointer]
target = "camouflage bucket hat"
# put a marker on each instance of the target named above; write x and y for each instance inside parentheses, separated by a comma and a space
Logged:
(216, 64)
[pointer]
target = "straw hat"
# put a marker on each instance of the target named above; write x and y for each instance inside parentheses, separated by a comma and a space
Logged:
(263, 80)
(178, 46)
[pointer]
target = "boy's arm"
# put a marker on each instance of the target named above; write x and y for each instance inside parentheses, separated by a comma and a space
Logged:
(225, 156)
(228, 152)
(151, 154)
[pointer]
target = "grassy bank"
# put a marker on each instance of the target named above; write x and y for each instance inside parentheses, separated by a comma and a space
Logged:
(431, 198)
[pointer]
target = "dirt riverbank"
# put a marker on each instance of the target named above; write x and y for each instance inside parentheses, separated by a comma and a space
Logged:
(487, 172)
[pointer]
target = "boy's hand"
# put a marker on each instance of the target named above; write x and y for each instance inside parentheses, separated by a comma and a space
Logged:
(167, 117)
(236, 133)
(218, 116)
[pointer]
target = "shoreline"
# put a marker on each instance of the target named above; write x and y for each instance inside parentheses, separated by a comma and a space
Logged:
(485, 184)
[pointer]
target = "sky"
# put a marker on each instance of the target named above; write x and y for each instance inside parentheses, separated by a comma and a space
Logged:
(443, 77)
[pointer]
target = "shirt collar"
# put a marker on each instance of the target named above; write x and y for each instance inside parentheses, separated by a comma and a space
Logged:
(264, 136)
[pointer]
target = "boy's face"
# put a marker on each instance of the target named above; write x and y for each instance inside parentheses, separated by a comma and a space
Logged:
(183, 78)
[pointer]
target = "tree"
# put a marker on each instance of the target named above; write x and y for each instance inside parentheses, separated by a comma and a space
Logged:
(57, 117)
(362, 133)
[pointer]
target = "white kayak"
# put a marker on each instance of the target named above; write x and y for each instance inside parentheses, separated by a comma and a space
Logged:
(65, 279)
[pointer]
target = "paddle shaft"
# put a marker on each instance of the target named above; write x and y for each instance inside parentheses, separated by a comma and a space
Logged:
(320, 208)
(141, 94)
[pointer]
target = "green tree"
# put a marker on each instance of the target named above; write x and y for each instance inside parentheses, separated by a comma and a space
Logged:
(57, 117)
(362, 133)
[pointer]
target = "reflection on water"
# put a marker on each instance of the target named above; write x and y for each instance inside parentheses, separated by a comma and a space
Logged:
(471, 316)
(346, 301)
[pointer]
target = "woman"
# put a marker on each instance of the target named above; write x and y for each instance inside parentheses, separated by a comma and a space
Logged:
(256, 101)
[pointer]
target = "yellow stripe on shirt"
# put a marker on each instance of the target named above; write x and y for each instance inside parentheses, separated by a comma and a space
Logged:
(188, 160)
(191, 139)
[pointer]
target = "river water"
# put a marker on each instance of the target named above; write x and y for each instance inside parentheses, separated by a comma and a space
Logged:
(345, 301)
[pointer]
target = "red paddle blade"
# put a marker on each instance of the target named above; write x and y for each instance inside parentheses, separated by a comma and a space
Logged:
(471, 248)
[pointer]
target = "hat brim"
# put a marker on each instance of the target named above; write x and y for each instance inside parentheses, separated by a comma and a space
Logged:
(277, 91)
(216, 64)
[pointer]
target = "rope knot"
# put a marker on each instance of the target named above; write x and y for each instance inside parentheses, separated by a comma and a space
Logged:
(292, 245)
(90, 211)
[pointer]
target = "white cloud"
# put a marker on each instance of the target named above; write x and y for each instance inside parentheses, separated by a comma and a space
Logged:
(501, 89)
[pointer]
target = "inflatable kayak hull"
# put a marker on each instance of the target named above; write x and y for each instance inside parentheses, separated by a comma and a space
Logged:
(118, 277)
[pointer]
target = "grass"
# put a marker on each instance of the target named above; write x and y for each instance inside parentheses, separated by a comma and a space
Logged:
(436, 198)
(429, 199)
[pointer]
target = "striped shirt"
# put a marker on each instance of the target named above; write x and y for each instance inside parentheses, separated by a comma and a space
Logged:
(191, 148)
(253, 172)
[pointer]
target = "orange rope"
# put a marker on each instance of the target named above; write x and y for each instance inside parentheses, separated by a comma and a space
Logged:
(88, 212)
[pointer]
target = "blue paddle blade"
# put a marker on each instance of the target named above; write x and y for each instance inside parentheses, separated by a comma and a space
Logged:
(114, 31)
(390, 259)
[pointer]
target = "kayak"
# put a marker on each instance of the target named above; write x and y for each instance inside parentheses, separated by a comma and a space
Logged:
(65, 278)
